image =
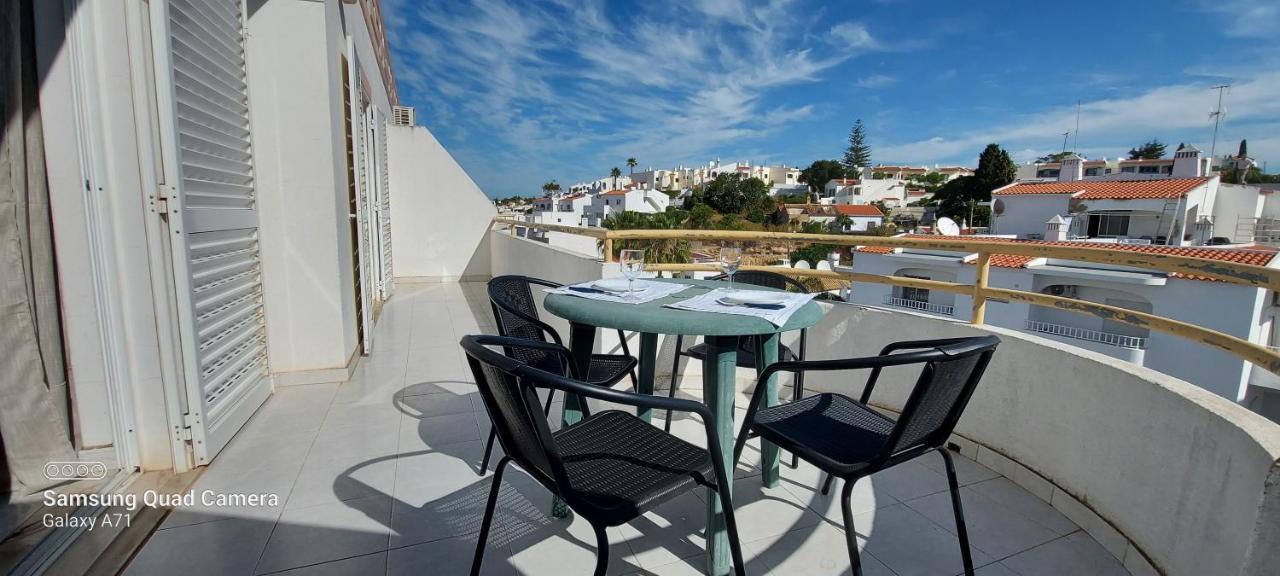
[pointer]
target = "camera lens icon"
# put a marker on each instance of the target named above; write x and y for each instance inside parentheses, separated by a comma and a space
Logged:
(75, 470)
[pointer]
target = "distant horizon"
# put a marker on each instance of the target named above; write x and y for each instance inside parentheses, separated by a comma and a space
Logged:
(567, 90)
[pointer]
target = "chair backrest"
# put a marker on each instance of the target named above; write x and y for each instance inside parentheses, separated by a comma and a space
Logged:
(767, 280)
(513, 406)
(516, 315)
(941, 394)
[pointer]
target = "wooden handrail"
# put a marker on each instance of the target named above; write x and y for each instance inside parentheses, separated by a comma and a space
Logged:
(980, 291)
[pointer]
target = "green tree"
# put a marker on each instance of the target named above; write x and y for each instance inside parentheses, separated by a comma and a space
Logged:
(1151, 150)
(730, 222)
(731, 193)
(840, 222)
(551, 187)
(858, 153)
(671, 250)
(1055, 157)
(700, 217)
(819, 173)
(995, 169)
(631, 165)
(615, 173)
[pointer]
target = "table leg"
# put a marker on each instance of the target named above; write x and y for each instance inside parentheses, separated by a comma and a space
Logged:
(766, 354)
(718, 375)
(582, 342)
(648, 363)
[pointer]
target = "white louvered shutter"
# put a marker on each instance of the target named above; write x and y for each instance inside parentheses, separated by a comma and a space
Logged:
(384, 209)
(360, 139)
(203, 100)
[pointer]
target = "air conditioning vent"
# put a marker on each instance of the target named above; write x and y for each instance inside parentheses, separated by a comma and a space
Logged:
(402, 116)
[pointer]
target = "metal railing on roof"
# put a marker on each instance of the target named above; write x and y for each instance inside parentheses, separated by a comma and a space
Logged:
(980, 291)
(942, 309)
(1117, 340)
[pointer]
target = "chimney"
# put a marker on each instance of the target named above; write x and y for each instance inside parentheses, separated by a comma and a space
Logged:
(1071, 169)
(1187, 163)
(1055, 230)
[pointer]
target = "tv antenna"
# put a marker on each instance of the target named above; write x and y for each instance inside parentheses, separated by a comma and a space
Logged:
(1064, 142)
(1075, 139)
(1217, 119)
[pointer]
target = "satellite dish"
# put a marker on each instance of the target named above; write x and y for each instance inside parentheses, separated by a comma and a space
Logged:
(948, 227)
(998, 207)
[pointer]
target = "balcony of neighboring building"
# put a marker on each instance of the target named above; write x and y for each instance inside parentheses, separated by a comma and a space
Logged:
(1113, 338)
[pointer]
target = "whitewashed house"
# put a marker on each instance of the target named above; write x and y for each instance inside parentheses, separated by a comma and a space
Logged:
(643, 200)
(1247, 313)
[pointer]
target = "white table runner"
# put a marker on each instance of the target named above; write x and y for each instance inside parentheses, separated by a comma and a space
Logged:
(645, 291)
(777, 315)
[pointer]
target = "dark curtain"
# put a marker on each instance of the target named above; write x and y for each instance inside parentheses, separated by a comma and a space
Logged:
(33, 383)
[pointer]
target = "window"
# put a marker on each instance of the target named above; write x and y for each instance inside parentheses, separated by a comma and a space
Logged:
(914, 294)
(1103, 225)
(1148, 169)
(1047, 173)
(1090, 171)
(1128, 169)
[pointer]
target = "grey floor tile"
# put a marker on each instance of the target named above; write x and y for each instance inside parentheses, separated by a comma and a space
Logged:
(1073, 555)
(910, 544)
(436, 431)
(317, 534)
(817, 550)
(967, 471)
(992, 528)
(333, 480)
(366, 565)
(1019, 500)
(203, 549)
(450, 557)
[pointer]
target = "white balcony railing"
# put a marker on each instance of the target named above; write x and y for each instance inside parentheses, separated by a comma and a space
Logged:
(1117, 340)
(942, 309)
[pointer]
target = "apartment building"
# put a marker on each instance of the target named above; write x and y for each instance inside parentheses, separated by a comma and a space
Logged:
(1247, 313)
(643, 200)
(891, 191)
(1186, 206)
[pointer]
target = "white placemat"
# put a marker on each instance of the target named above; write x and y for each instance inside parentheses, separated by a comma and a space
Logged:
(645, 291)
(777, 315)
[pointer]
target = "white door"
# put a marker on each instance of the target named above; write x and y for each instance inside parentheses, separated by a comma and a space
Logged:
(359, 139)
(212, 216)
(384, 208)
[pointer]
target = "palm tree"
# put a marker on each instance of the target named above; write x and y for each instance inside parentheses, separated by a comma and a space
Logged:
(615, 173)
(631, 165)
(664, 251)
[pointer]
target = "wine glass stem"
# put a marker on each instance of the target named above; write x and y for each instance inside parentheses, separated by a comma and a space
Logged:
(631, 291)
(731, 281)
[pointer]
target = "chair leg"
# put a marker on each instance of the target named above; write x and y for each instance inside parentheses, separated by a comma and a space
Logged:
(488, 516)
(731, 524)
(961, 531)
(826, 486)
(675, 377)
(850, 532)
(488, 450)
(602, 549)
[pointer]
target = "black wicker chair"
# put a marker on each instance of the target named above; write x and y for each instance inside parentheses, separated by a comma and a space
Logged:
(516, 315)
(847, 439)
(746, 347)
(608, 468)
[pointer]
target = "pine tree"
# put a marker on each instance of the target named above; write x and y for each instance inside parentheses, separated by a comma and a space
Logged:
(859, 153)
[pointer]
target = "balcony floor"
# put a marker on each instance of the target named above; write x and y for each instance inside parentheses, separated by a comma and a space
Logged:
(378, 475)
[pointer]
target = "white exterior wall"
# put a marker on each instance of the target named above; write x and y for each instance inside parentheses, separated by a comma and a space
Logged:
(439, 217)
(1233, 203)
(1026, 214)
(297, 110)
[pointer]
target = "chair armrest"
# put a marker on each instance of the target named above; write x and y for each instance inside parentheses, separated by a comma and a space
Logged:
(875, 363)
(544, 379)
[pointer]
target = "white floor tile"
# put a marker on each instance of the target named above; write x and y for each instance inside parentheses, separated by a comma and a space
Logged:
(366, 565)
(910, 544)
(450, 557)
(1074, 555)
(335, 480)
(817, 550)
(992, 528)
(1017, 499)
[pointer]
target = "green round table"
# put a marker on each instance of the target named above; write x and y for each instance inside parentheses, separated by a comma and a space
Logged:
(721, 332)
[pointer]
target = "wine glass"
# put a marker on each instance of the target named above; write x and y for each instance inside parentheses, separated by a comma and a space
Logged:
(632, 265)
(730, 259)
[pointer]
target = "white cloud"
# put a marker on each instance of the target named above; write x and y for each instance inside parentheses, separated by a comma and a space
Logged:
(569, 88)
(1111, 126)
(1245, 18)
(875, 81)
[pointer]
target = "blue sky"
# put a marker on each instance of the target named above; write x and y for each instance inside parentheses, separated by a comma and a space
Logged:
(524, 92)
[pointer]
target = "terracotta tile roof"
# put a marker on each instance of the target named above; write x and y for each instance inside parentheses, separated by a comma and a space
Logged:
(1109, 189)
(1256, 255)
(950, 169)
(1148, 161)
(615, 193)
(858, 210)
(845, 181)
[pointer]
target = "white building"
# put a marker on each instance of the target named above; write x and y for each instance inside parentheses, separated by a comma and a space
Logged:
(643, 200)
(1181, 208)
(1247, 313)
